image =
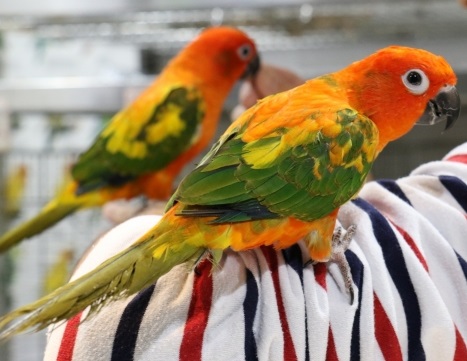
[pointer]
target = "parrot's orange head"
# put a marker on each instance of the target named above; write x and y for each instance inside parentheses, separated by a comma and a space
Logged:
(398, 86)
(224, 53)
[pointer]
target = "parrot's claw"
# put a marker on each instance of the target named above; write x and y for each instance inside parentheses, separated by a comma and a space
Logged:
(310, 262)
(213, 255)
(202, 256)
(339, 246)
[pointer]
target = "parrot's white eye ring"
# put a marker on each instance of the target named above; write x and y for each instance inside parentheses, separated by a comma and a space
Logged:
(416, 81)
(244, 52)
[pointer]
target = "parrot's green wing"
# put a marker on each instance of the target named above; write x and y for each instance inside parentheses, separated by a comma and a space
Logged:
(269, 177)
(128, 148)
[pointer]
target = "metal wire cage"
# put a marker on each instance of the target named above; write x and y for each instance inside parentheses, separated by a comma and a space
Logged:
(32, 170)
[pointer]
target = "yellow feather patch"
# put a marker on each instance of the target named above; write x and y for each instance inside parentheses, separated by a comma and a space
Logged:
(332, 131)
(368, 148)
(160, 251)
(169, 123)
(316, 172)
(116, 124)
(357, 163)
(297, 136)
(135, 149)
(337, 152)
(123, 140)
(262, 156)
(131, 149)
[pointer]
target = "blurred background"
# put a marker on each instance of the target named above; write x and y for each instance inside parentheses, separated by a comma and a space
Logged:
(67, 66)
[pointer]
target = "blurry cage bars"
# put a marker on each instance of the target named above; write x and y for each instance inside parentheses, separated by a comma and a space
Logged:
(32, 168)
(33, 165)
(35, 171)
(274, 28)
(44, 262)
(39, 144)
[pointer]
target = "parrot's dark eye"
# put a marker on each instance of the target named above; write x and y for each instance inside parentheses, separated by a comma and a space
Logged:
(416, 81)
(245, 51)
(414, 78)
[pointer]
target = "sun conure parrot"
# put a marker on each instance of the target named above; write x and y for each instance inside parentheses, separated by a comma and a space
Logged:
(278, 174)
(146, 145)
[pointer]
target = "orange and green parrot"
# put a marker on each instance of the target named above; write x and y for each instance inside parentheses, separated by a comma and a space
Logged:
(278, 174)
(146, 145)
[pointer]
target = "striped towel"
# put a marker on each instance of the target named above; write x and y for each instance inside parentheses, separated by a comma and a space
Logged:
(408, 261)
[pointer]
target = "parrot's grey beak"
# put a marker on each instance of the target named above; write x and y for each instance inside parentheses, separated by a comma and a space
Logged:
(445, 106)
(252, 68)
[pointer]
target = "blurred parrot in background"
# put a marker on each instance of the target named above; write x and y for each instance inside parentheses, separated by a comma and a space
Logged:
(59, 271)
(14, 188)
(278, 174)
(146, 145)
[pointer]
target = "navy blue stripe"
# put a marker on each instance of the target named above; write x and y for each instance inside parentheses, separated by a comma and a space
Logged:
(394, 188)
(123, 348)
(357, 270)
(397, 268)
(250, 305)
(463, 264)
(293, 257)
(457, 188)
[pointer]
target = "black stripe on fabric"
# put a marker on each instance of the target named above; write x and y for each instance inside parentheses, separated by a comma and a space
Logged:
(123, 348)
(293, 257)
(463, 264)
(250, 305)
(457, 188)
(395, 263)
(357, 270)
(394, 188)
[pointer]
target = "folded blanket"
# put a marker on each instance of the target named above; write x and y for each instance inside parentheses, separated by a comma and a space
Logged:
(408, 261)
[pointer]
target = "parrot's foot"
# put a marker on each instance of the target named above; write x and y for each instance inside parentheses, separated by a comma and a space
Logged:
(339, 246)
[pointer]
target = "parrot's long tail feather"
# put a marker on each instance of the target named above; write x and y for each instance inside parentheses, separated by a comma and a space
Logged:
(48, 216)
(137, 267)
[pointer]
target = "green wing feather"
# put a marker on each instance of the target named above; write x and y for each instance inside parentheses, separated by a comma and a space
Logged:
(147, 150)
(234, 183)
